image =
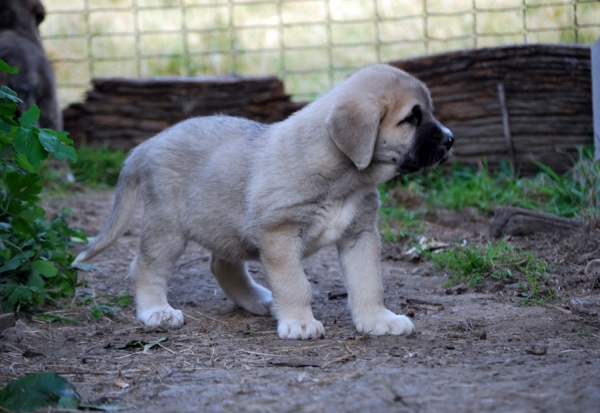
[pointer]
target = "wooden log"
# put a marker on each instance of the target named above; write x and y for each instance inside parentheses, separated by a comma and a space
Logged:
(121, 113)
(519, 221)
(596, 96)
(547, 90)
(6, 321)
(547, 105)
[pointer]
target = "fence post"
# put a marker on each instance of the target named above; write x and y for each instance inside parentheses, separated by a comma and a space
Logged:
(596, 96)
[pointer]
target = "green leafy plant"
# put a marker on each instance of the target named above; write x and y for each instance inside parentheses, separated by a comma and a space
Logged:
(46, 392)
(110, 306)
(146, 345)
(34, 251)
(53, 317)
(39, 391)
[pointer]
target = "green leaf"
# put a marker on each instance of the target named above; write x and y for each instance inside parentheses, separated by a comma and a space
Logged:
(29, 118)
(96, 313)
(50, 318)
(123, 299)
(62, 136)
(4, 252)
(24, 163)
(45, 268)
(103, 308)
(35, 281)
(24, 187)
(28, 144)
(7, 155)
(5, 67)
(39, 391)
(9, 94)
(11, 264)
(38, 268)
(53, 144)
(141, 343)
(7, 113)
(18, 295)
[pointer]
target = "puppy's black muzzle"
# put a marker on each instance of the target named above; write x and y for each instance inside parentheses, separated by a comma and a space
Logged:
(432, 146)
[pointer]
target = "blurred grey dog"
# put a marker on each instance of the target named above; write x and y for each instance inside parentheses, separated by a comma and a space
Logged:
(278, 193)
(21, 46)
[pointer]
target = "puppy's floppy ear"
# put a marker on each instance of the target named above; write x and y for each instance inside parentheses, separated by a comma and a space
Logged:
(37, 9)
(354, 126)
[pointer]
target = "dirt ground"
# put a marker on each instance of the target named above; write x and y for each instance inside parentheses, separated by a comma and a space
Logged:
(475, 350)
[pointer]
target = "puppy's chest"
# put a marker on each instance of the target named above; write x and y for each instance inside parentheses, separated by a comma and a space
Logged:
(331, 220)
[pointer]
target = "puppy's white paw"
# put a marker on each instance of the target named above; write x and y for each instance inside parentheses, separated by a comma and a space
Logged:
(300, 329)
(384, 322)
(154, 317)
(258, 301)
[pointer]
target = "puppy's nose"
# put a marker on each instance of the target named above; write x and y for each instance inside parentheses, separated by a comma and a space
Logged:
(448, 139)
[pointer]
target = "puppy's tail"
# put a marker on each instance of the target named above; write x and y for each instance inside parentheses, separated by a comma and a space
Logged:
(125, 200)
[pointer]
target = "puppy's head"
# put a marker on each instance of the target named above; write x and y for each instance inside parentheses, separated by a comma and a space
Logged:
(382, 119)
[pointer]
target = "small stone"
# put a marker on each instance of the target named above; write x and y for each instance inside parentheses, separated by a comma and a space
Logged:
(536, 350)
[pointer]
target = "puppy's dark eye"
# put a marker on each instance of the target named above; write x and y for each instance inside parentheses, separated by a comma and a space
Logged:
(414, 118)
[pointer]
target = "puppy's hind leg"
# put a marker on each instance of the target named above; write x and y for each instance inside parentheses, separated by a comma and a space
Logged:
(240, 287)
(151, 269)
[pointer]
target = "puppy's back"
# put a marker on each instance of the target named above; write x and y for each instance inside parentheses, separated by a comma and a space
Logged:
(196, 173)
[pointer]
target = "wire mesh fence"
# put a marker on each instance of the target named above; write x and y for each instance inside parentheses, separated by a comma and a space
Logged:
(310, 44)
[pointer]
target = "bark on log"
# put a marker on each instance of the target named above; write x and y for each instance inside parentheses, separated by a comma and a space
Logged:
(547, 91)
(519, 221)
(121, 113)
(596, 96)
(548, 98)
(6, 321)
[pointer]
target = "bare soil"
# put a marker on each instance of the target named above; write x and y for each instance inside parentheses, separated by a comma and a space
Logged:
(475, 350)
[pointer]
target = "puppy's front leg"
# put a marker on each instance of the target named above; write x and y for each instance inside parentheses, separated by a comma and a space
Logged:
(281, 255)
(359, 255)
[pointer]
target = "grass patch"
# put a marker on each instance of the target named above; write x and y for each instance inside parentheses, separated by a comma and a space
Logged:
(574, 194)
(397, 222)
(98, 167)
(94, 167)
(459, 186)
(472, 264)
(110, 306)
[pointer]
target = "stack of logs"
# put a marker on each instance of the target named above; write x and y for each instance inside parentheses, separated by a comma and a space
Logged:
(517, 103)
(120, 113)
(514, 103)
